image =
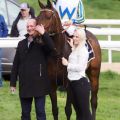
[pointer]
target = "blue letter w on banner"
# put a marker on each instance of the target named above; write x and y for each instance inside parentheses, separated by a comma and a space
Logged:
(66, 11)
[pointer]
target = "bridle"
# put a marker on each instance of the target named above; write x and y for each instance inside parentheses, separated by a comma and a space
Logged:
(50, 23)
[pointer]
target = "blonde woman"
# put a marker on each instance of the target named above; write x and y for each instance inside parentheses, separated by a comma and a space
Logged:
(76, 66)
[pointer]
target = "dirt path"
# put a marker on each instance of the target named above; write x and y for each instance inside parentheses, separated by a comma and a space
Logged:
(113, 67)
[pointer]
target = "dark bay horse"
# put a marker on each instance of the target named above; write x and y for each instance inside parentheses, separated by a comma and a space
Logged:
(50, 19)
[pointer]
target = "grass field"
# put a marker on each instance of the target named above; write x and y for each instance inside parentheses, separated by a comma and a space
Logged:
(108, 101)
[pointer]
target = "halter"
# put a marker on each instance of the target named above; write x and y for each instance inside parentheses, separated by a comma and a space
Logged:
(46, 10)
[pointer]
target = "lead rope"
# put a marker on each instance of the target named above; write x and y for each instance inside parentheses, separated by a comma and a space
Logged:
(56, 73)
(63, 78)
(64, 84)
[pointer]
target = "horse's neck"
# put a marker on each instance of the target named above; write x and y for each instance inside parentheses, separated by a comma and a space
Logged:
(62, 45)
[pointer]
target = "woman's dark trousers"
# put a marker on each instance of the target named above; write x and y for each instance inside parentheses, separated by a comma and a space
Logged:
(80, 96)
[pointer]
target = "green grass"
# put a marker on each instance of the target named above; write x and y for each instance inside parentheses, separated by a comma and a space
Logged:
(108, 101)
(109, 97)
(102, 9)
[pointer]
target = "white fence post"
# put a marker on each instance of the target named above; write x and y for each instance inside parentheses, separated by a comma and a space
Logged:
(109, 51)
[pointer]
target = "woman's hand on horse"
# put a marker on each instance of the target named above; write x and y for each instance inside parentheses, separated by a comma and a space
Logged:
(70, 41)
(40, 29)
(64, 61)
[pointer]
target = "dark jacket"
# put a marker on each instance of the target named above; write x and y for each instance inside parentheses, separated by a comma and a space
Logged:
(3, 27)
(14, 31)
(30, 64)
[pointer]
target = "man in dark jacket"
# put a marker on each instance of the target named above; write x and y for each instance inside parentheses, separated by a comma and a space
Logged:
(30, 66)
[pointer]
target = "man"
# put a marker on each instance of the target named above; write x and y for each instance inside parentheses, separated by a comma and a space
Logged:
(20, 23)
(3, 33)
(30, 66)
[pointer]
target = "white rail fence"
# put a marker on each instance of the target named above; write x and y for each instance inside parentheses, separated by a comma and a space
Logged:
(106, 44)
(11, 42)
(109, 43)
(111, 28)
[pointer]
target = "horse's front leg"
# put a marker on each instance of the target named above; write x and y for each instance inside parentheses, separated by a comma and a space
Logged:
(53, 97)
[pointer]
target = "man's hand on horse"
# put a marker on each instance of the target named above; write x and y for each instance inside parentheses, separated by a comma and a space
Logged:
(40, 29)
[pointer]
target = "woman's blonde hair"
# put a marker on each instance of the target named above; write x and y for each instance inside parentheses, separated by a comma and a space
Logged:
(81, 33)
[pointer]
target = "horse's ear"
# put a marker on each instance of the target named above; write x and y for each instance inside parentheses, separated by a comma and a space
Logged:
(49, 4)
(42, 6)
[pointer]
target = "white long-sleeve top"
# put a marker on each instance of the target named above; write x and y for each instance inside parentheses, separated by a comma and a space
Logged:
(77, 63)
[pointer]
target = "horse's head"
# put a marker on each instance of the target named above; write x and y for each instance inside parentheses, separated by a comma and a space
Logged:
(49, 17)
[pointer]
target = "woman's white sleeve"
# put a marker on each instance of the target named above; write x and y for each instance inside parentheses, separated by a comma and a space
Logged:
(81, 64)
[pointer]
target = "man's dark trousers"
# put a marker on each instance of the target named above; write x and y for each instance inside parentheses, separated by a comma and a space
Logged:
(26, 104)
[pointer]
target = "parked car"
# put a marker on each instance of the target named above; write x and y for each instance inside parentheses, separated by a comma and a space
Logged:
(9, 9)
